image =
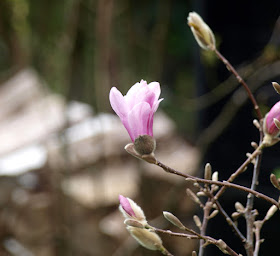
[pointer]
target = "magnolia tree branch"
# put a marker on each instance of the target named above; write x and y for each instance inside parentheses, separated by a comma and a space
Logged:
(249, 216)
(229, 221)
(207, 208)
(240, 79)
(207, 239)
(219, 183)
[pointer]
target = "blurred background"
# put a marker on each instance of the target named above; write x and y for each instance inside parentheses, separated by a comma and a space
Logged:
(62, 162)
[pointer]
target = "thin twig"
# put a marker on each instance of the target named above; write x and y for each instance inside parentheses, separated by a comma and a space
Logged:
(240, 170)
(207, 208)
(239, 78)
(219, 243)
(219, 183)
(258, 228)
(229, 220)
(249, 207)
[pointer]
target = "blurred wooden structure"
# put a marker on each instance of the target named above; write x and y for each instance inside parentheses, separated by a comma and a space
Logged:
(62, 169)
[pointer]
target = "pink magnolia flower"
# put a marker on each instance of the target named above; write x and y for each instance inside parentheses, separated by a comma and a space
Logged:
(269, 122)
(136, 109)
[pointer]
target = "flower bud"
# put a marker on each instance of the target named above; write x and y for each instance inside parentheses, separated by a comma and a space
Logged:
(208, 171)
(271, 121)
(146, 238)
(213, 214)
(131, 210)
(173, 219)
(273, 209)
(197, 221)
(125, 204)
(274, 181)
(145, 144)
(201, 31)
(133, 223)
(276, 87)
(239, 207)
(215, 176)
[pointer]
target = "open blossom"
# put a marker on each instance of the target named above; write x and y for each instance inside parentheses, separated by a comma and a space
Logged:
(269, 122)
(136, 109)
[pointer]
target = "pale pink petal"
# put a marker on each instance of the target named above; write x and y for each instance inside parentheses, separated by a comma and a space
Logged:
(156, 104)
(118, 103)
(138, 119)
(126, 206)
(270, 125)
(150, 124)
(135, 88)
(136, 94)
(155, 88)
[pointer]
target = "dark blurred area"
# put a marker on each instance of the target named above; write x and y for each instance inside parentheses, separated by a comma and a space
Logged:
(62, 163)
(248, 35)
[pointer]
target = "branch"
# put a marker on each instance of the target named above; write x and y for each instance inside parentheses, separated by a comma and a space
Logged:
(219, 243)
(219, 183)
(239, 78)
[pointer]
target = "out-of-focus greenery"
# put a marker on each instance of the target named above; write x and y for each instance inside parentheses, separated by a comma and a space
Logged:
(84, 47)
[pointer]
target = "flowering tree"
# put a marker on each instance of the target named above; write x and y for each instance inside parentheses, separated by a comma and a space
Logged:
(136, 110)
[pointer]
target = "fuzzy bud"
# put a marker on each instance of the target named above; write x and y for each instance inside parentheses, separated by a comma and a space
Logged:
(207, 171)
(222, 246)
(146, 238)
(131, 210)
(273, 209)
(213, 214)
(276, 87)
(215, 176)
(271, 125)
(239, 207)
(197, 221)
(133, 223)
(201, 31)
(274, 181)
(193, 196)
(173, 219)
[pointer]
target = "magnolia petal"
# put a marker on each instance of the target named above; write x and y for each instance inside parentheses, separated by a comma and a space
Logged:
(150, 124)
(138, 119)
(156, 104)
(270, 126)
(155, 88)
(135, 88)
(118, 103)
(125, 204)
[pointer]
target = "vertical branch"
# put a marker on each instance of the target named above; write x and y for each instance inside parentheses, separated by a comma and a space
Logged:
(206, 211)
(104, 17)
(249, 207)
(240, 80)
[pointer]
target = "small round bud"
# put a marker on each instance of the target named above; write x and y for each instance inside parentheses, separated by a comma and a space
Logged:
(145, 144)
